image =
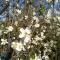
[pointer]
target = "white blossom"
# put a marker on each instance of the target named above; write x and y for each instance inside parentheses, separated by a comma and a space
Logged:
(19, 11)
(49, 14)
(43, 37)
(26, 16)
(28, 47)
(10, 28)
(52, 43)
(34, 42)
(27, 1)
(17, 46)
(46, 45)
(27, 30)
(58, 33)
(16, 23)
(21, 35)
(3, 41)
(22, 30)
(37, 57)
(58, 29)
(46, 57)
(36, 25)
(34, 13)
(27, 39)
(47, 50)
(42, 34)
(6, 31)
(13, 37)
(48, 21)
(36, 18)
(44, 30)
(17, 5)
(38, 38)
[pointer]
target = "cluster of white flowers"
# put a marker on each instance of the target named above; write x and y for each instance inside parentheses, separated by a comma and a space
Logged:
(26, 34)
(49, 14)
(22, 34)
(38, 38)
(45, 57)
(42, 35)
(4, 41)
(18, 11)
(34, 13)
(26, 16)
(36, 19)
(10, 28)
(16, 23)
(37, 25)
(18, 46)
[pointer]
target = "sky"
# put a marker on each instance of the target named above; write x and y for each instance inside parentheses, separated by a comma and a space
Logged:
(36, 3)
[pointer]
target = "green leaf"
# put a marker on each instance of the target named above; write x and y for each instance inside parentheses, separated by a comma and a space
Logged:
(41, 10)
(32, 54)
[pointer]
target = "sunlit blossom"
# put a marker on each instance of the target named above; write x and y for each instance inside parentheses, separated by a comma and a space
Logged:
(27, 39)
(19, 11)
(36, 18)
(16, 23)
(49, 14)
(42, 34)
(38, 38)
(46, 45)
(34, 13)
(10, 28)
(27, 30)
(44, 30)
(36, 25)
(26, 16)
(21, 35)
(22, 30)
(17, 46)
(3, 41)
(45, 57)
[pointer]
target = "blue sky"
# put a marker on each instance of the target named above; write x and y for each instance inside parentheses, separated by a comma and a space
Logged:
(36, 3)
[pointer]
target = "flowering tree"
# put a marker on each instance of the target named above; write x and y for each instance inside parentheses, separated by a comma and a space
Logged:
(29, 34)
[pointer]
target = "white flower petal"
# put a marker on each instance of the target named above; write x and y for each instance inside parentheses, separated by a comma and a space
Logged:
(27, 30)
(3, 41)
(10, 28)
(22, 35)
(36, 25)
(27, 39)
